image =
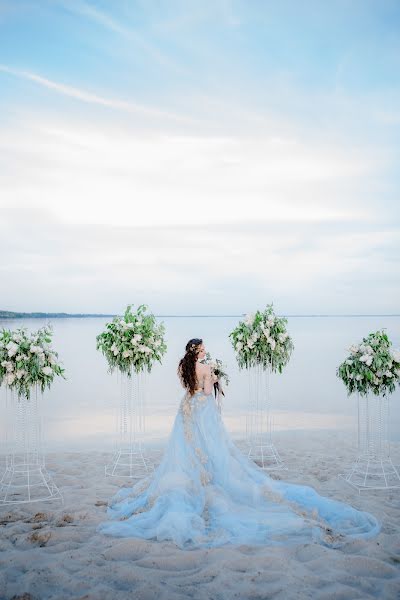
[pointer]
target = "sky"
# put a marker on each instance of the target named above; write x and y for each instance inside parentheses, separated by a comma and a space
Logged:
(200, 157)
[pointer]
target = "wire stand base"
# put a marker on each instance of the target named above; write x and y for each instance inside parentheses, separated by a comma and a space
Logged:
(130, 462)
(26, 478)
(371, 473)
(266, 456)
(27, 482)
(373, 468)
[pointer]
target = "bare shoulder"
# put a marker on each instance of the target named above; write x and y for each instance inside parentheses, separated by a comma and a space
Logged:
(203, 369)
(204, 366)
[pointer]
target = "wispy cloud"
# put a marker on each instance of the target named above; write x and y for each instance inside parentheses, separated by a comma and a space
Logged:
(91, 98)
(112, 24)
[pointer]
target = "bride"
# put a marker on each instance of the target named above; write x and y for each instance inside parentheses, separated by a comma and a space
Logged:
(206, 493)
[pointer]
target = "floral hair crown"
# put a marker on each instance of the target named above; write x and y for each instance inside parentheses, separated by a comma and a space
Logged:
(192, 347)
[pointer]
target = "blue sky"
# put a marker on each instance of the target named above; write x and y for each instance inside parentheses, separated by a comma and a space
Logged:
(200, 157)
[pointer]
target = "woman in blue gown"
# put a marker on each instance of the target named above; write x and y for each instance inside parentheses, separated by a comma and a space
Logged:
(206, 492)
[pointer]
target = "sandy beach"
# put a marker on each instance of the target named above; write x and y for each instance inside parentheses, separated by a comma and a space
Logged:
(50, 550)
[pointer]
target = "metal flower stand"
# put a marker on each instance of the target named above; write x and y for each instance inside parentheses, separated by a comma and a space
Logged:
(373, 468)
(26, 478)
(259, 421)
(130, 457)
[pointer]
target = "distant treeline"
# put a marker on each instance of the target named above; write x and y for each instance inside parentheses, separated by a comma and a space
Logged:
(7, 314)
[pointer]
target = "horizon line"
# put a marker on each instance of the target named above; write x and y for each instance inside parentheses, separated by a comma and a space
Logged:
(36, 314)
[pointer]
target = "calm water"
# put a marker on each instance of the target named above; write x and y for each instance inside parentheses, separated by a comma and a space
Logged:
(80, 411)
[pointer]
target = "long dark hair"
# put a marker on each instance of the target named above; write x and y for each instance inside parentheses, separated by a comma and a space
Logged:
(187, 365)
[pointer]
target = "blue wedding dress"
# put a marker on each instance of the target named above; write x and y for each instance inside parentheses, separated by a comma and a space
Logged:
(206, 493)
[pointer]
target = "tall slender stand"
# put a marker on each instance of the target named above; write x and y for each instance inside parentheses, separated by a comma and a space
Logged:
(259, 421)
(373, 468)
(26, 478)
(130, 458)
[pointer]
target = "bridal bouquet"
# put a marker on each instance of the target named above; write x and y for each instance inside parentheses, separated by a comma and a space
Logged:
(371, 366)
(217, 369)
(133, 341)
(262, 339)
(27, 360)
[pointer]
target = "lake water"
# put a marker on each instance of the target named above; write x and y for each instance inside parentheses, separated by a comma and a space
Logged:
(79, 412)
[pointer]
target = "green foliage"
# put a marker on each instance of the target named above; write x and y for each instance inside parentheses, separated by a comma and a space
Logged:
(28, 360)
(371, 366)
(262, 339)
(217, 367)
(132, 342)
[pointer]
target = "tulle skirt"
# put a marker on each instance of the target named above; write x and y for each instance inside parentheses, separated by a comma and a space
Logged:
(207, 493)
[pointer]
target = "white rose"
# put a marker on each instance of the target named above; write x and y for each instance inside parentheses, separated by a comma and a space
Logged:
(250, 343)
(369, 350)
(9, 367)
(126, 353)
(353, 349)
(20, 373)
(10, 377)
(358, 377)
(12, 349)
(272, 343)
(389, 374)
(249, 319)
(239, 346)
(47, 370)
(349, 362)
(4, 363)
(396, 355)
(368, 362)
(240, 336)
(157, 343)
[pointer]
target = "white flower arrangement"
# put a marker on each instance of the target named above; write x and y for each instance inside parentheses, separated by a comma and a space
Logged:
(371, 366)
(28, 360)
(262, 339)
(217, 367)
(132, 342)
